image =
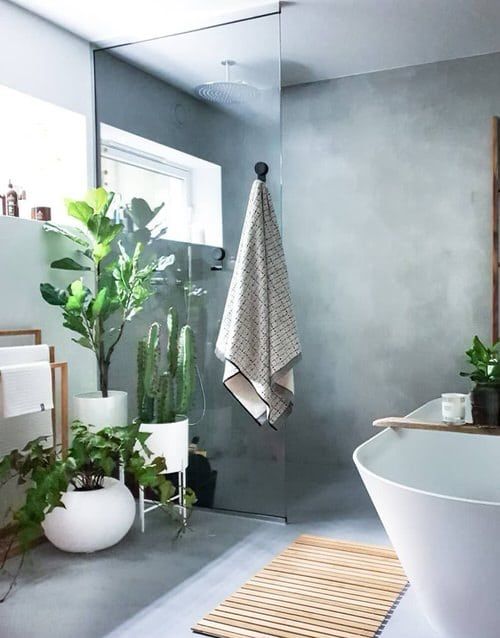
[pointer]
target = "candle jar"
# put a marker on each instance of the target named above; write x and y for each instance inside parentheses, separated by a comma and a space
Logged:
(453, 407)
(41, 213)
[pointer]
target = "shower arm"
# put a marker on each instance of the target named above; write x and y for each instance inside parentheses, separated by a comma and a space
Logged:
(227, 64)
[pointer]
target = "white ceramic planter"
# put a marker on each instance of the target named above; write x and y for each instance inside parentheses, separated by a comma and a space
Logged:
(91, 521)
(94, 410)
(170, 440)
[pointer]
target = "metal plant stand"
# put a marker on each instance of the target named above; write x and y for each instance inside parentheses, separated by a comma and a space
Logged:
(153, 505)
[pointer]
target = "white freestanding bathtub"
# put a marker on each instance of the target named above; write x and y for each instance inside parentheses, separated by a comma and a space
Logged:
(438, 496)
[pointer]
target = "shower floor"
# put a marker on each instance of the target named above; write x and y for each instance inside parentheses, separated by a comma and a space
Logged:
(151, 586)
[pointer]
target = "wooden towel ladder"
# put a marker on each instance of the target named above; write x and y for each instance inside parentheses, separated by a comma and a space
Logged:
(62, 366)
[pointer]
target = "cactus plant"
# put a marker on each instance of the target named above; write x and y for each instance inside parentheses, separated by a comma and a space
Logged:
(185, 369)
(173, 337)
(164, 395)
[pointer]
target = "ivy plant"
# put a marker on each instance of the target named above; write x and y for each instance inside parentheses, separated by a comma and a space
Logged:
(123, 284)
(92, 456)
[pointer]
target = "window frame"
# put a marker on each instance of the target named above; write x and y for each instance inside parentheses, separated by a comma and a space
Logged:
(147, 161)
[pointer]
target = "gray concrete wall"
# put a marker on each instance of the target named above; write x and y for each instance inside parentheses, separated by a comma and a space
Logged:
(386, 214)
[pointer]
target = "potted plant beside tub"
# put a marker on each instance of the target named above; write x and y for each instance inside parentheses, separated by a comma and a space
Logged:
(123, 285)
(485, 396)
(164, 397)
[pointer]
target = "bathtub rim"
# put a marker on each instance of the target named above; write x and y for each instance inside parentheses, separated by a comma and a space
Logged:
(360, 465)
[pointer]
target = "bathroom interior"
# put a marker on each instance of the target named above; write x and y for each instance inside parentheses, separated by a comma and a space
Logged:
(255, 244)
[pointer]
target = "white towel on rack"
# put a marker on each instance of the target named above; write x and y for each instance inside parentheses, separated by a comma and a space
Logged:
(17, 431)
(25, 388)
(15, 355)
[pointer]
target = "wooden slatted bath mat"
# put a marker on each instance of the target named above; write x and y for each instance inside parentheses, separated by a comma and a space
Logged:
(316, 588)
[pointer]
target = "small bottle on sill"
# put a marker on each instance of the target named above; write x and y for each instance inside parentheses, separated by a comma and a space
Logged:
(11, 202)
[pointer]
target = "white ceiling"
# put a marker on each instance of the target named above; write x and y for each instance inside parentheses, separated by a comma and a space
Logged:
(321, 39)
(193, 58)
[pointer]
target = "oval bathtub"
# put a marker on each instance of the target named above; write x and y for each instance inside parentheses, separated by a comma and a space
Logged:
(438, 497)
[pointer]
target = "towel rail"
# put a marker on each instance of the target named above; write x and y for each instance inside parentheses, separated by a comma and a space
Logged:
(62, 366)
(36, 333)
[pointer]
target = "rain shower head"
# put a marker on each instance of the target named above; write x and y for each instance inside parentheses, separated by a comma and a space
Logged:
(227, 91)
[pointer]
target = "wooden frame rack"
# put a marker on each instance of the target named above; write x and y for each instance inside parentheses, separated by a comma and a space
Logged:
(62, 366)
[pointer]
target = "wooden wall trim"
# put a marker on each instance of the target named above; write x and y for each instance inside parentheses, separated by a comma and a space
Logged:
(495, 134)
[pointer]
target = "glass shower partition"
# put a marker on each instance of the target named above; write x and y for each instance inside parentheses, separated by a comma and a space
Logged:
(181, 122)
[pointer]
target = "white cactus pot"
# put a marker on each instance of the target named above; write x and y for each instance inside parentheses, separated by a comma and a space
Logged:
(170, 440)
(94, 410)
(93, 520)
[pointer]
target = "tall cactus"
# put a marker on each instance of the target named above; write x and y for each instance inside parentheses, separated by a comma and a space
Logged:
(185, 370)
(162, 396)
(141, 366)
(148, 358)
(173, 337)
(166, 413)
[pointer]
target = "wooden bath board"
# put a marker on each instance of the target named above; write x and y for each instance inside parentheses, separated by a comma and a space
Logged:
(316, 588)
(412, 424)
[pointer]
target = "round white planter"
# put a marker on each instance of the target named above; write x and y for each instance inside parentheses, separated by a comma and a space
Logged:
(91, 521)
(170, 440)
(94, 410)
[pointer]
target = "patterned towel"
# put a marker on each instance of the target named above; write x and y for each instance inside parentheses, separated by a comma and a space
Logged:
(258, 336)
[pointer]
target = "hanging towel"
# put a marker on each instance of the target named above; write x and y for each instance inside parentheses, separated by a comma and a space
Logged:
(258, 338)
(25, 388)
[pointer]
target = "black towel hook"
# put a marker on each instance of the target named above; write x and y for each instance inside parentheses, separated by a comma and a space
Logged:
(262, 169)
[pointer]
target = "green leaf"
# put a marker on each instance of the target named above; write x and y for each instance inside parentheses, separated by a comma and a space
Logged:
(53, 296)
(104, 232)
(58, 230)
(140, 212)
(79, 210)
(100, 251)
(78, 296)
(84, 342)
(97, 199)
(100, 305)
(75, 323)
(68, 264)
(167, 490)
(29, 533)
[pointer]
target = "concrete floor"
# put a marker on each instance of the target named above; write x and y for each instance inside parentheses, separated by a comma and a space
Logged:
(149, 586)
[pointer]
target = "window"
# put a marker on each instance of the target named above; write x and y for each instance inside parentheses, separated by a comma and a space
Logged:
(43, 152)
(188, 187)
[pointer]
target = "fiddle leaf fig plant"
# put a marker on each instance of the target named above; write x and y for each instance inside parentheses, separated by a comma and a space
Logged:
(123, 284)
(485, 361)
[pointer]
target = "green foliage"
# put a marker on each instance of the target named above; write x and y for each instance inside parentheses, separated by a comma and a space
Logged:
(485, 360)
(141, 213)
(67, 263)
(92, 456)
(162, 396)
(123, 285)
